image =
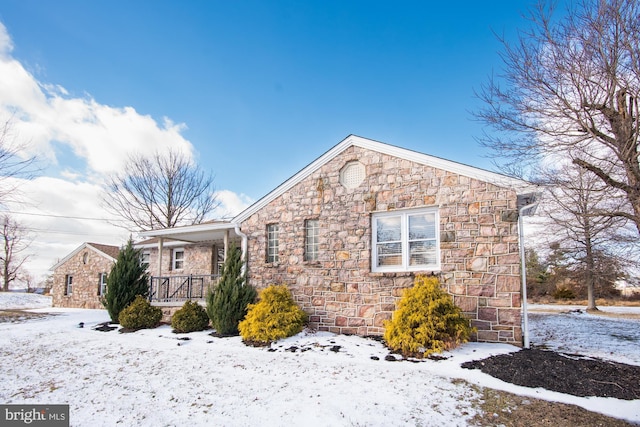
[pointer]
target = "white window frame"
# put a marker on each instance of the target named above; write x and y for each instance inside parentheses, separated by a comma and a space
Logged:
(177, 263)
(102, 284)
(273, 232)
(311, 239)
(145, 258)
(404, 216)
(68, 290)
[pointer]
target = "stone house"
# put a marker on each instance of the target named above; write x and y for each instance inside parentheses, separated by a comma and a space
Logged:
(351, 230)
(80, 278)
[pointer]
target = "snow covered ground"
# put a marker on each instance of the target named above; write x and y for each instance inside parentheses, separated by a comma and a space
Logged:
(155, 377)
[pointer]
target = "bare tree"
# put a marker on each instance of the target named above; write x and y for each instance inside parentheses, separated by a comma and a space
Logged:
(160, 191)
(13, 163)
(576, 225)
(15, 241)
(572, 84)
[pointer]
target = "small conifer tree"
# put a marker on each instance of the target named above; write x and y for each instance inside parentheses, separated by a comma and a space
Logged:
(426, 321)
(227, 302)
(140, 314)
(191, 317)
(126, 280)
(275, 316)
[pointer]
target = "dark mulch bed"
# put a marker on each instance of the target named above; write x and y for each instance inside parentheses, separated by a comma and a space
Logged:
(571, 374)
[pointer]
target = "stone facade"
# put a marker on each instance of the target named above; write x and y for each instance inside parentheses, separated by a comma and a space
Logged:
(85, 266)
(479, 253)
(199, 258)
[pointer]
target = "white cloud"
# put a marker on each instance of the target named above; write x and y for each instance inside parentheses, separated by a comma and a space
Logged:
(6, 44)
(102, 135)
(58, 220)
(62, 211)
(231, 204)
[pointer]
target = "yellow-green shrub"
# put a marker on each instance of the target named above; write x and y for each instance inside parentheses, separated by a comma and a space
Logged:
(426, 321)
(189, 318)
(140, 314)
(273, 317)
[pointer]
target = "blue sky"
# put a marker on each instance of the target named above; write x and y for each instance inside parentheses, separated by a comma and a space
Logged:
(256, 90)
(268, 86)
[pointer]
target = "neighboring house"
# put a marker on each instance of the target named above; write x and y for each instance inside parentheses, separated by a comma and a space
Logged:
(80, 278)
(351, 230)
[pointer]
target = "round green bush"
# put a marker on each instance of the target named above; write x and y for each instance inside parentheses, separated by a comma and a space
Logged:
(273, 317)
(191, 317)
(140, 314)
(426, 321)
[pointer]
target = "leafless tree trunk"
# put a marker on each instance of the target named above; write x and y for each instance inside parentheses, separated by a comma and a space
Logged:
(575, 204)
(160, 191)
(14, 244)
(573, 85)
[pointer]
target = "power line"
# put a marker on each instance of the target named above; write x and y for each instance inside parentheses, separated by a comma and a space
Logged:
(65, 216)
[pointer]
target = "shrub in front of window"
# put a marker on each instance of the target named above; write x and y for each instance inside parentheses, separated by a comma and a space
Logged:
(127, 279)
(191, 317)
(227, 302)
(140, 314)
(426, 321)
(273, 317)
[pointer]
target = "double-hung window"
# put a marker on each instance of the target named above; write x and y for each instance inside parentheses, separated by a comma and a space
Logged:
(272, 243)
(178, 259)
(311, 232)
(406, 240)
(68, 282)
(145, 258)
(102, 283)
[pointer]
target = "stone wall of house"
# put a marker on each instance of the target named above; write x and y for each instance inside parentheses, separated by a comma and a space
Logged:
(198, 259)
(85, 267)
(478, 233)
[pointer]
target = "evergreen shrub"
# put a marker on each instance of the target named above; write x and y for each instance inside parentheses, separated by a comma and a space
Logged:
(191, 317)
(140, 314)
(564, 292)
(273, 317)
(426, 321)
(127, 279)
(227, 302)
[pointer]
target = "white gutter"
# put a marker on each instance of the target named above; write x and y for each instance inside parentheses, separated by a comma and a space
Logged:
(244, 247)
(523, 266)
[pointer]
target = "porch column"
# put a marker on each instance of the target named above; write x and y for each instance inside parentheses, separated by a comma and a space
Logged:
(160, 243)
(226, 244)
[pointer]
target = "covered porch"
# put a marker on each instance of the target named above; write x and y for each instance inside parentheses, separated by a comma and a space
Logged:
(172, 287)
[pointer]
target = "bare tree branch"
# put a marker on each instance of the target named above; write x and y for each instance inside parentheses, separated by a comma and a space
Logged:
(15, 241)
(13, 164)
(572, 85)
(160, 191)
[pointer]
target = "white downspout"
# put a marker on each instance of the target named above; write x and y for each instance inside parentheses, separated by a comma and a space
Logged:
(243, 246)
(523, 267)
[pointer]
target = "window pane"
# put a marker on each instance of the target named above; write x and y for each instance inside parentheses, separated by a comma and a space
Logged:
(389, 254)
(422, 252)
(311, 240)
(422, 226)
(272, 243)
(388, 229)
(178, 259)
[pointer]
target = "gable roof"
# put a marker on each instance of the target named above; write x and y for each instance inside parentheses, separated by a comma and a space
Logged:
(109, 252)
(520, 186)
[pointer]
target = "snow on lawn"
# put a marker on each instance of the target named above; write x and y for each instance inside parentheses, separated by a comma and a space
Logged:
(154, 377)
(22, 300)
